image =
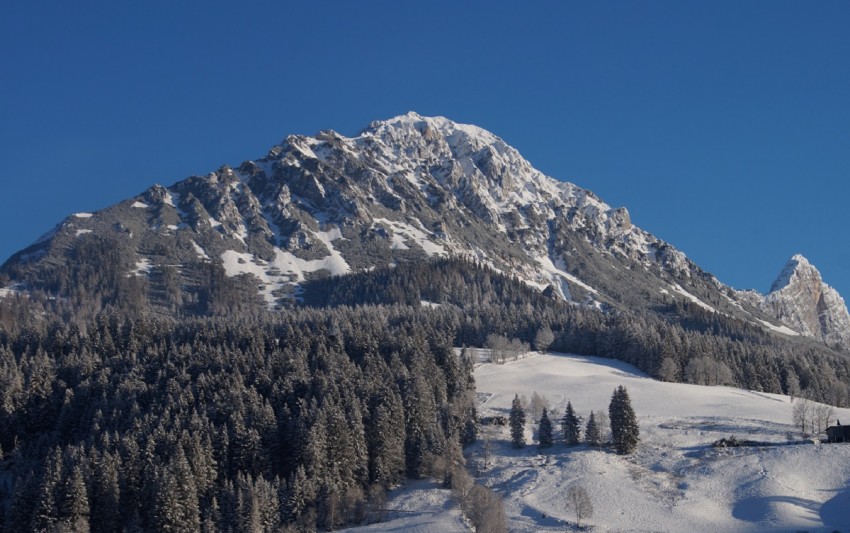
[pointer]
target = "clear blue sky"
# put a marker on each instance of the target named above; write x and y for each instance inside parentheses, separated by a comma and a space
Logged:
(724, 127)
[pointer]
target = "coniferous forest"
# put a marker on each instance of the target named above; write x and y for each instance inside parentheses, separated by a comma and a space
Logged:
(302, 418)
(226, 425)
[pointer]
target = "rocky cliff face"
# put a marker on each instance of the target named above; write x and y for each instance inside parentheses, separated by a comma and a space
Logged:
(404, 189)
(801, 300)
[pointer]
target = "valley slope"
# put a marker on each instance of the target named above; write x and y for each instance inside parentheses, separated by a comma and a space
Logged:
(675, 481)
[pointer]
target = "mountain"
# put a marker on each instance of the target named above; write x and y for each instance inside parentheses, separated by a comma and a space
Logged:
(801, 300)
(405, 189)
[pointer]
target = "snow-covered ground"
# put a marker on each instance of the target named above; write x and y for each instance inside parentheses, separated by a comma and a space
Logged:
(419, 507)
(675, 481)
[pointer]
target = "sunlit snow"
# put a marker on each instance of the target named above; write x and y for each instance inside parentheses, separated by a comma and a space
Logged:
(785, 330)
(143, 267)
(285, 268)
(675, 481)
(678, 288)
(415, 235)
(200, 251)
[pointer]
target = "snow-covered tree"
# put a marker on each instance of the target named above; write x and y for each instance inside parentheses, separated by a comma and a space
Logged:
(543, 339)
(544, 431)
(73, 502)
(592, 435)
(624, 426)
(570, 426)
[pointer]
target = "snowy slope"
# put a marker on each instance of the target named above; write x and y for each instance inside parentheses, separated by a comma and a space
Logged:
(675, 481)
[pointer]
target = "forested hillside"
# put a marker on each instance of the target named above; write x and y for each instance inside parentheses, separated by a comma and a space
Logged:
(304, 417)
(237, 425)
(679, 342)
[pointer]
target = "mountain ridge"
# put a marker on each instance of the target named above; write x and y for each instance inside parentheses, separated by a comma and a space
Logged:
(403, 189)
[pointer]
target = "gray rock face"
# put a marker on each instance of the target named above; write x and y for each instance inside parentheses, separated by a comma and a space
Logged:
(801, 300)
(404, 189)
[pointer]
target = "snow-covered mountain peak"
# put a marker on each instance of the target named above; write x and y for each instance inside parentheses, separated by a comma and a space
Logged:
(428, 126)
(404, 189)
(801, 299)
(798, 268)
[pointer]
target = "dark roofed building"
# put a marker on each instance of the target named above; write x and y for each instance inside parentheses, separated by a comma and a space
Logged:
(838, 433)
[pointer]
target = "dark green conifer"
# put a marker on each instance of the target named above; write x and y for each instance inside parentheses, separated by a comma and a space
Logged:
(545, 438)
(517, 423)
(570, 426)
(624, 426)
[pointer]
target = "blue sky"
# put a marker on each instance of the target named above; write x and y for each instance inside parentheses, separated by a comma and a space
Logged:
(724, 127)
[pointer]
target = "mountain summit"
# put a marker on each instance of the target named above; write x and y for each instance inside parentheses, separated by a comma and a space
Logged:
(405, 189)
(801, 299)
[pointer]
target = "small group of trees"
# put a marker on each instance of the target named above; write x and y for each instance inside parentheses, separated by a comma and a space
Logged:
(625, 433)
(811, 417)
(503, 349)
(708, 371)
(594, 430)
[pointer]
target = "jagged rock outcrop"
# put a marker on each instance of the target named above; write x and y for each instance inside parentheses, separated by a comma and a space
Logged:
(801, 300)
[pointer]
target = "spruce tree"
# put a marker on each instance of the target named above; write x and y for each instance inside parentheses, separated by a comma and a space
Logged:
(624, 427)
(517, 422)
(570, 426)
(74, 503)
(592, 435)
(46, 512)
(544, 431)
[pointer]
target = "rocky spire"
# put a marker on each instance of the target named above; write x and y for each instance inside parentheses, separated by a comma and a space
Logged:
(801, 299)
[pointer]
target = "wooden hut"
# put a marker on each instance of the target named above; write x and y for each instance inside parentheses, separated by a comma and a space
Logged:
(838, 433)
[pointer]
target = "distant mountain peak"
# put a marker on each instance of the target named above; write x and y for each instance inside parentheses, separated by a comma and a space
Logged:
(801, 299)
(797, 267)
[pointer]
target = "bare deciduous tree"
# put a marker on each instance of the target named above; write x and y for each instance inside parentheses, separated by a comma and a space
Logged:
(578, 501)
(538, 403)
(801, 414)
(486, 510)
(486, 453)
(821, 415)
(543, 339)
(811, 417)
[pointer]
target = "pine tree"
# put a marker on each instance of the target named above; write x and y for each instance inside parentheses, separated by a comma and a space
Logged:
(46, 511)
(105, 503)
(544, 431)
(74, 501)
(624, 427)
(177, 505)
(592, 435)
(517, 422)
(570, 426)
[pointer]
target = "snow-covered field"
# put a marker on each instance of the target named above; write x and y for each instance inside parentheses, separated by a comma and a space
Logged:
(675, 481)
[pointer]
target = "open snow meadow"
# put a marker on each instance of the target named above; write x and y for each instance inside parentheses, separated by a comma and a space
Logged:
(676, 481)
